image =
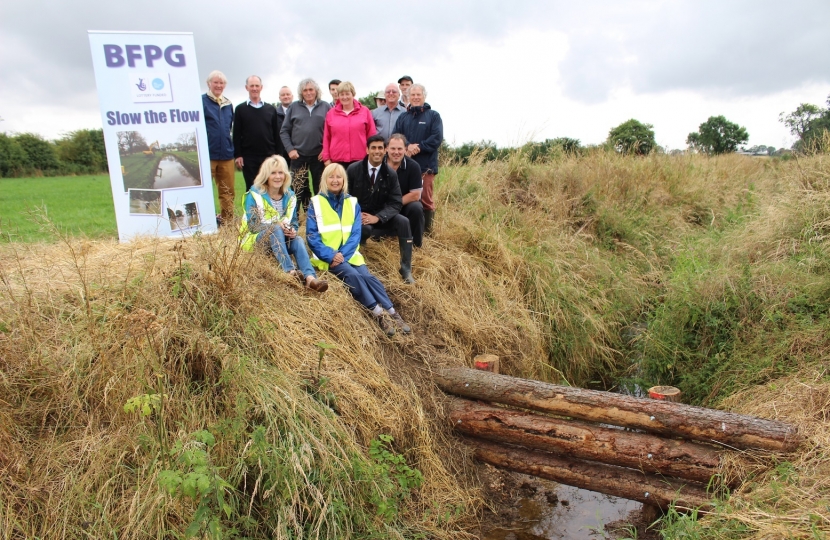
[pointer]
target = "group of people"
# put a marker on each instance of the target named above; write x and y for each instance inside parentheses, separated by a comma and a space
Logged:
(357, 173)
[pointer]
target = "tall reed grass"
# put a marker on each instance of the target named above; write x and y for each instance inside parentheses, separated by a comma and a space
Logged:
(706, 273)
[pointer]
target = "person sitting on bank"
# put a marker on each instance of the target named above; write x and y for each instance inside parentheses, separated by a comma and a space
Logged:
(271, 216)
(409, 178)
(333, 231)
(378, 191)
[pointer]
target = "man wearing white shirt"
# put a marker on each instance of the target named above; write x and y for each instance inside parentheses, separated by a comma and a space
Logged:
(255, 131)
(404, 83)
(379, 194)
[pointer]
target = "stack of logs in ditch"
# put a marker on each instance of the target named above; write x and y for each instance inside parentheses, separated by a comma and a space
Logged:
(655, 452)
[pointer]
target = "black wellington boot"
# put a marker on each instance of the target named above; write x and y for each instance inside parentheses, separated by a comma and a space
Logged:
(406, 259)
(428, 216)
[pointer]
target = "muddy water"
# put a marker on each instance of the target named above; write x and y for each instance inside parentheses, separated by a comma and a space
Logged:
(171, 174)
(565, 512)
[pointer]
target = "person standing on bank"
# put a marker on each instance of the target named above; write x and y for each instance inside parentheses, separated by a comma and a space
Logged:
(409, 178)
(377, 190)
(286, 97)
(333, 84)
(302, 136)
(385, 116)
(347, 127)
(255, 131)
(333, 231)
(404, 84)
(218, 122)
(424, 132)
(271, 215)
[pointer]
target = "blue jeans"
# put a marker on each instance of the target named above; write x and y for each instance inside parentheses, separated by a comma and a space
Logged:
(283, 248)
(365, 288)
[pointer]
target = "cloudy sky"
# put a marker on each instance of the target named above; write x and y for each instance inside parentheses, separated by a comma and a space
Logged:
(507, 71)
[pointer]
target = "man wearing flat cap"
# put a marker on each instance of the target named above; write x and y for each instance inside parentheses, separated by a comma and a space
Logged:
(404, 83)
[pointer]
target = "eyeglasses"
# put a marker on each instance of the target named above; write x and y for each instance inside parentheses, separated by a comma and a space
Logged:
(392, 92)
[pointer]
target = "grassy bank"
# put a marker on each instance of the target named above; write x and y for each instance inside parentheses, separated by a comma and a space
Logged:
(709, 274)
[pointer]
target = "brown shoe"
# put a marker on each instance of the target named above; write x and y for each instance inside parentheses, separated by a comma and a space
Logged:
(318, 285)
(399, 320)
(386, 324)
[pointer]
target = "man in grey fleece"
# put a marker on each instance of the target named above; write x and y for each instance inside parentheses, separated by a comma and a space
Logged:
(302, 136)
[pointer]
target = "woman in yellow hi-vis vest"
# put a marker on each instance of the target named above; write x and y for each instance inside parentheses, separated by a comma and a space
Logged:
(333, 230)
(271, 215)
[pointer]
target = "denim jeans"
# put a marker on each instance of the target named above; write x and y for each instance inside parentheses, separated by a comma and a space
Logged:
(365, 288)
(283, 248)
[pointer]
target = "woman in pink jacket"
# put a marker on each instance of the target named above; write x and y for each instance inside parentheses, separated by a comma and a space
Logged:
(348, 125)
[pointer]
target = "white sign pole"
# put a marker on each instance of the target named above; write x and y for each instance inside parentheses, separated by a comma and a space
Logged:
(154, 130)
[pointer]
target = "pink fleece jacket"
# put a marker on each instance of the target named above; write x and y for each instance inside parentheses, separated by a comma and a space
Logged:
(345, 135)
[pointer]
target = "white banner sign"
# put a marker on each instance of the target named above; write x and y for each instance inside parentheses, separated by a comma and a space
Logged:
(154, 129)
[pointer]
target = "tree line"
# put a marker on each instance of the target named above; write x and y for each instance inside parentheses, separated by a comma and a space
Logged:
(811, 124)
(83, 151)
(28, 154)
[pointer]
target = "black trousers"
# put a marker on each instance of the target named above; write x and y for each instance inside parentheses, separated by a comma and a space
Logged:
(300, 168)
(414, 212)
(397, 226)
(250, 168)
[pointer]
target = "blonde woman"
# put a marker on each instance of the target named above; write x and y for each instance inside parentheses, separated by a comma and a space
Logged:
(348, 126)
(271, 216)
(333, 230)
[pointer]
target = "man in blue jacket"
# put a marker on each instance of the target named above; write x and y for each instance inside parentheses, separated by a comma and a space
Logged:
(424, 131)
(219, 122)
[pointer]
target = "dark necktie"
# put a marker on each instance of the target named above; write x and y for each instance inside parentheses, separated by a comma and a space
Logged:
(372, 176)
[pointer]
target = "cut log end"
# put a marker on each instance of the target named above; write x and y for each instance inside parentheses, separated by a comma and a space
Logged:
(665, 393)
(486, 362)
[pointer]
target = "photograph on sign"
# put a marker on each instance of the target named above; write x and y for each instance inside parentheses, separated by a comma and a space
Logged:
(145, 202)
(183, 216)
(159, 159)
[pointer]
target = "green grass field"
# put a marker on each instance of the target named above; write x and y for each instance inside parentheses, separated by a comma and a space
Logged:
(80, 205)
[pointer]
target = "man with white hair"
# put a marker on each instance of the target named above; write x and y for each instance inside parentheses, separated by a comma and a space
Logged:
(385, 116)
(218, 123)
(255, 131)
(424, 132)
(302, 136)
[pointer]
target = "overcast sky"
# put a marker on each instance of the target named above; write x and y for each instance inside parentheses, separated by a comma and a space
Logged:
(507, 71)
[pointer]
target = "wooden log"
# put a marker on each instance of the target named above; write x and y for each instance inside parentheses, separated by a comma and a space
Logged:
(649, 453)
(664, 417)
(608, 479)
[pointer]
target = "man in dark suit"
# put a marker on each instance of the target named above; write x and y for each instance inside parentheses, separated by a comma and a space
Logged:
(377, 190)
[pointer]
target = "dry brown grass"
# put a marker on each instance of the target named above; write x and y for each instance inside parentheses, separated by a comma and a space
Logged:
(545, 266)
(87, 325)
(784, 496)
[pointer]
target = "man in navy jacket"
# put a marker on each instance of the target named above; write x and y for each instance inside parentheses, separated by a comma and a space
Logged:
(424, 131)
(218, 122)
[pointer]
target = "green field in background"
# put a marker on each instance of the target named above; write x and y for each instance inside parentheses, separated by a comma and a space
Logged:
(78, 205)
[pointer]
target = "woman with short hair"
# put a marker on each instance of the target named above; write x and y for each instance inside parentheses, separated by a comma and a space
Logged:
(348, 126)
(333, 231)
(271, 215)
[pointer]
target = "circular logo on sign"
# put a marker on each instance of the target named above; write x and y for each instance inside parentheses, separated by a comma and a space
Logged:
(158, 84)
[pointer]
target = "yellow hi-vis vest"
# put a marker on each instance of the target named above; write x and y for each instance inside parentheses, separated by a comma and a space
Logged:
(247, 238)
(334, 230)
